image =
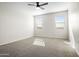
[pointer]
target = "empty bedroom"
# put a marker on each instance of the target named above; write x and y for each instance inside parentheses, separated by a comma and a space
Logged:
(39, 29)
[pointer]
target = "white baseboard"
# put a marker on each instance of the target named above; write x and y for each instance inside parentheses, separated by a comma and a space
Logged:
(16, 40)
(77, 52)
(51, 37)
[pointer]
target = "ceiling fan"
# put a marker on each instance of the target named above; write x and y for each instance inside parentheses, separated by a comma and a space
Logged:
(38, 5)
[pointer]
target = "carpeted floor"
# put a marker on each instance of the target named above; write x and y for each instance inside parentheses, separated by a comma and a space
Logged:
(38, 47)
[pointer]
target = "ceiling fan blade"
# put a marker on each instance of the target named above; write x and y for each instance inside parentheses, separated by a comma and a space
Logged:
(43, 4)
(31, 5)
(41, 8)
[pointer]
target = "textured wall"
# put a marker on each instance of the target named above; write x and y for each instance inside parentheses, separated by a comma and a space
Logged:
(16, 22)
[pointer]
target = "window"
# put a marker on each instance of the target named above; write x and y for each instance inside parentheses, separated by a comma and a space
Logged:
(39, 23)
(59, 21)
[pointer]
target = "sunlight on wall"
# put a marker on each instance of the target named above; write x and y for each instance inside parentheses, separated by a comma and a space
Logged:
(72, 43)
(72, 25)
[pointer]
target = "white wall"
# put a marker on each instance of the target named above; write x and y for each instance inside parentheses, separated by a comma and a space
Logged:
(50, 8)
(49, 26)
(16, 22)
(74, 25)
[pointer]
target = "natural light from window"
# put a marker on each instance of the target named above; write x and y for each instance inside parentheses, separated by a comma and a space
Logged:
(39, 23)
(59, 21)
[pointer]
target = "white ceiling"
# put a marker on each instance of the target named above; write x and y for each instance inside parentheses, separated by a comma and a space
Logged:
(51, 7)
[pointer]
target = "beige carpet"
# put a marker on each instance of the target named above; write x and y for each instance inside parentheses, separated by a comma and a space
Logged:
(38, 47)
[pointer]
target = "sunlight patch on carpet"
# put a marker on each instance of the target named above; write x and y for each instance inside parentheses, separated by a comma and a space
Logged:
(39, 42)
(67, 42)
